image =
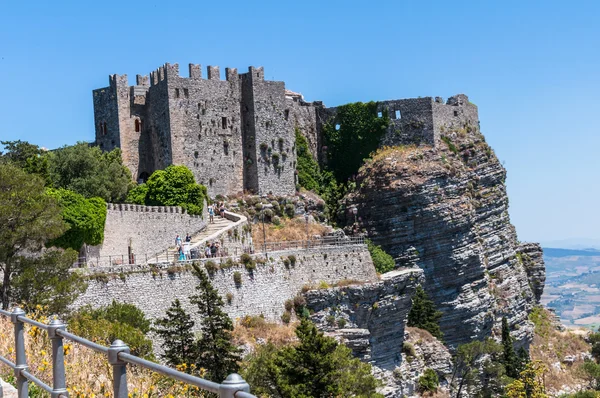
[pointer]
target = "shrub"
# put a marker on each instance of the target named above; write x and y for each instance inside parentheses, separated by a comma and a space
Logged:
(229, 298)
(251, 266)
(382, 261)
(323, 285)
(429, 381)
(289, 304)
(253, 322)
(299, 304)
(290, 210)
(408, 349)
(451, 146)
(276, 220)
(228, 264)
(245, 258)
(341, 323)
(286, 317)
(331, 320)
(211, 266)
(286, 262)
(237, 278)
(292, 259)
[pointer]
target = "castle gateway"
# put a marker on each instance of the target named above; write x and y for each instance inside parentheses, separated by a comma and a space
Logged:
(238, 134)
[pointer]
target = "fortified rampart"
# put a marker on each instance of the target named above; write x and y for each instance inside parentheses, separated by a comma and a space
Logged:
(239, 133)
(262, 292)
(144, 229)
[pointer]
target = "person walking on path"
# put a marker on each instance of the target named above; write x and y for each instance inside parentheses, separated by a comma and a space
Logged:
(178, 241)
(188, 238)
(222, 210)
(211, 214)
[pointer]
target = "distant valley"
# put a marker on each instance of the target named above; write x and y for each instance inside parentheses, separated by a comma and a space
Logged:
(573, 285)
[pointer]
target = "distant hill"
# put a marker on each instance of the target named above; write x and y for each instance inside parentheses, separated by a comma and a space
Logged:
(556, 252)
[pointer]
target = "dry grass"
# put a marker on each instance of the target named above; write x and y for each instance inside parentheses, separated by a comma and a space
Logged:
(251, 328)
(88, 372)
(289, 230)
(418, 335)
(552, 346)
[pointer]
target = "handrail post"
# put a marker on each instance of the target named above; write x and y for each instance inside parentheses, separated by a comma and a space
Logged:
(232, 384)
(20, 359)
(119, 368)
(59, 382)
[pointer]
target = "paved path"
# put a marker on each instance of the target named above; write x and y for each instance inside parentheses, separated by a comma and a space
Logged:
(220, 224)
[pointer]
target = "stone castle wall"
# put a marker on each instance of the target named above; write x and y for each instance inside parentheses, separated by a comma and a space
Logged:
(263, 292)
(147, 228)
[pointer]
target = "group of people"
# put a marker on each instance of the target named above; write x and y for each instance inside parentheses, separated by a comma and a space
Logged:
(181, 250)
(216, 208)
(212, 250)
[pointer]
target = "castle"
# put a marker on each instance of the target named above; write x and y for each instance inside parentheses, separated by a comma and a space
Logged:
(238, 134)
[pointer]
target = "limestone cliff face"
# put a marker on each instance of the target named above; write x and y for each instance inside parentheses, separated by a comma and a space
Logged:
(532, 257)
(444, 209)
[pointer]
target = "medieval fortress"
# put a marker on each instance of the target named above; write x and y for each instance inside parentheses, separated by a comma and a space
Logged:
(238, 134)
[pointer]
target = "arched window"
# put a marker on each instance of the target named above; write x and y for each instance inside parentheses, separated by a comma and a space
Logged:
(137, 125)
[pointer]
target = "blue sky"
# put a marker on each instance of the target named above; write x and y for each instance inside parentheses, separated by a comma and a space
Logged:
(531, 67)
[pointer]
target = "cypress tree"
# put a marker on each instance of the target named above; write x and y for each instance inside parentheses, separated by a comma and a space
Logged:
(424, 315)
(215, 350)
(176, 331)
(509, 357)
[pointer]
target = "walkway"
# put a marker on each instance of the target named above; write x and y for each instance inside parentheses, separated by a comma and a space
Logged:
(220, 225)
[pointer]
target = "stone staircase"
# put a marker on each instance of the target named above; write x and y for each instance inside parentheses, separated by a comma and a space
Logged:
(198, 239)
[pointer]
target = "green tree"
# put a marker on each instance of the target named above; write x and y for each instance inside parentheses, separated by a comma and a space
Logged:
(175, 329)
(509, 357)
(383, 262)
(316, 367)
(46, 280)
(429, 381)
(591, 371)
(355, 133)
(215, 350)
(29, 157)
(173, 186)
(85, 219)
(93, 324)
(124, 313)
(28, 219)
(309, 172)
(423, 314)
(530, 383)
(90, 172)
(465, 372)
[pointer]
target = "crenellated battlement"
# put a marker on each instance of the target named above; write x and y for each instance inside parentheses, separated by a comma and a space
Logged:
(148, 209)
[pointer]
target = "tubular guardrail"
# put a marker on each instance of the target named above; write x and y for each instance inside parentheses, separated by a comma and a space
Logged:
(117, 354)
(259, 247)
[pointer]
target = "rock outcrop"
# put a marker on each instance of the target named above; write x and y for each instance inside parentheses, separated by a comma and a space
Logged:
(444, 209)
(532, 257)
(369, 318)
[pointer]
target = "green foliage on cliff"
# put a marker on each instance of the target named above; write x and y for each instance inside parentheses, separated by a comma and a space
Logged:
(355, 133)
(383, 262)
(90, 172)
(309, 172)
(316, 367)
(173, 186)
(85, 219)
(423, 314)
(115, 321)
(470, 373)
(29, 157)
(429, 381)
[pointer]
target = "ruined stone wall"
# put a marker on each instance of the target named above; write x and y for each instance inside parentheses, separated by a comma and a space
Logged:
(150, 229)
(304, 117)
(262, 292)
(269, 125)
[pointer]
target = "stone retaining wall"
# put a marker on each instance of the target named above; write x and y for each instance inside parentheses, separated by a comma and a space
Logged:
(262, 292)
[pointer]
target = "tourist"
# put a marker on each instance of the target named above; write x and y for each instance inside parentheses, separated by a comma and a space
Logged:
(188, 238)
(181, 254)
(178, 241)
(207, 250)
(222, 210)
(213, 250)
(211, 214)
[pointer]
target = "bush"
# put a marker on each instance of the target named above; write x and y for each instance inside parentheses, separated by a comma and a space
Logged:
(276, 220)
(229, 298)
(211, 266)
(251, 266)
(228, 264)
(253, 322)
(237, 278)
(299, 304)
(286, 317)
(331, 320)
(341, 323)
(408, 349)
(290, 210)
(286, 262)
(382, 261)
(429, 381)
(292, 259)
(245, 258)
(289, 304)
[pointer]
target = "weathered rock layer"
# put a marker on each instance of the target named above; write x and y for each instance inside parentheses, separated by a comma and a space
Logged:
(445, 210)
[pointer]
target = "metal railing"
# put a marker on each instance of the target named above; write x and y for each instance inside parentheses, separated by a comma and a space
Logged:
(259, 247)
(117, 354)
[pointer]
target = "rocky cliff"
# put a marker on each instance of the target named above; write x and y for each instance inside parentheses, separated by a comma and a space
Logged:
(444, 209)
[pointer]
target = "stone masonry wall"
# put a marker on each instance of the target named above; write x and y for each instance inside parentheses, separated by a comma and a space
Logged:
(150, 229)
(262, 292)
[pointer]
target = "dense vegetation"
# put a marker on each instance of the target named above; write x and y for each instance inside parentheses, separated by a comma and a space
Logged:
(424, 314)
(383, 262)
(173, 186)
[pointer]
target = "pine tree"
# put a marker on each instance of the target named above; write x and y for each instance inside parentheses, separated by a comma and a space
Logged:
(424, 315)
(176, 331)
(522, 359)
(509, 357)
(215, 351)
